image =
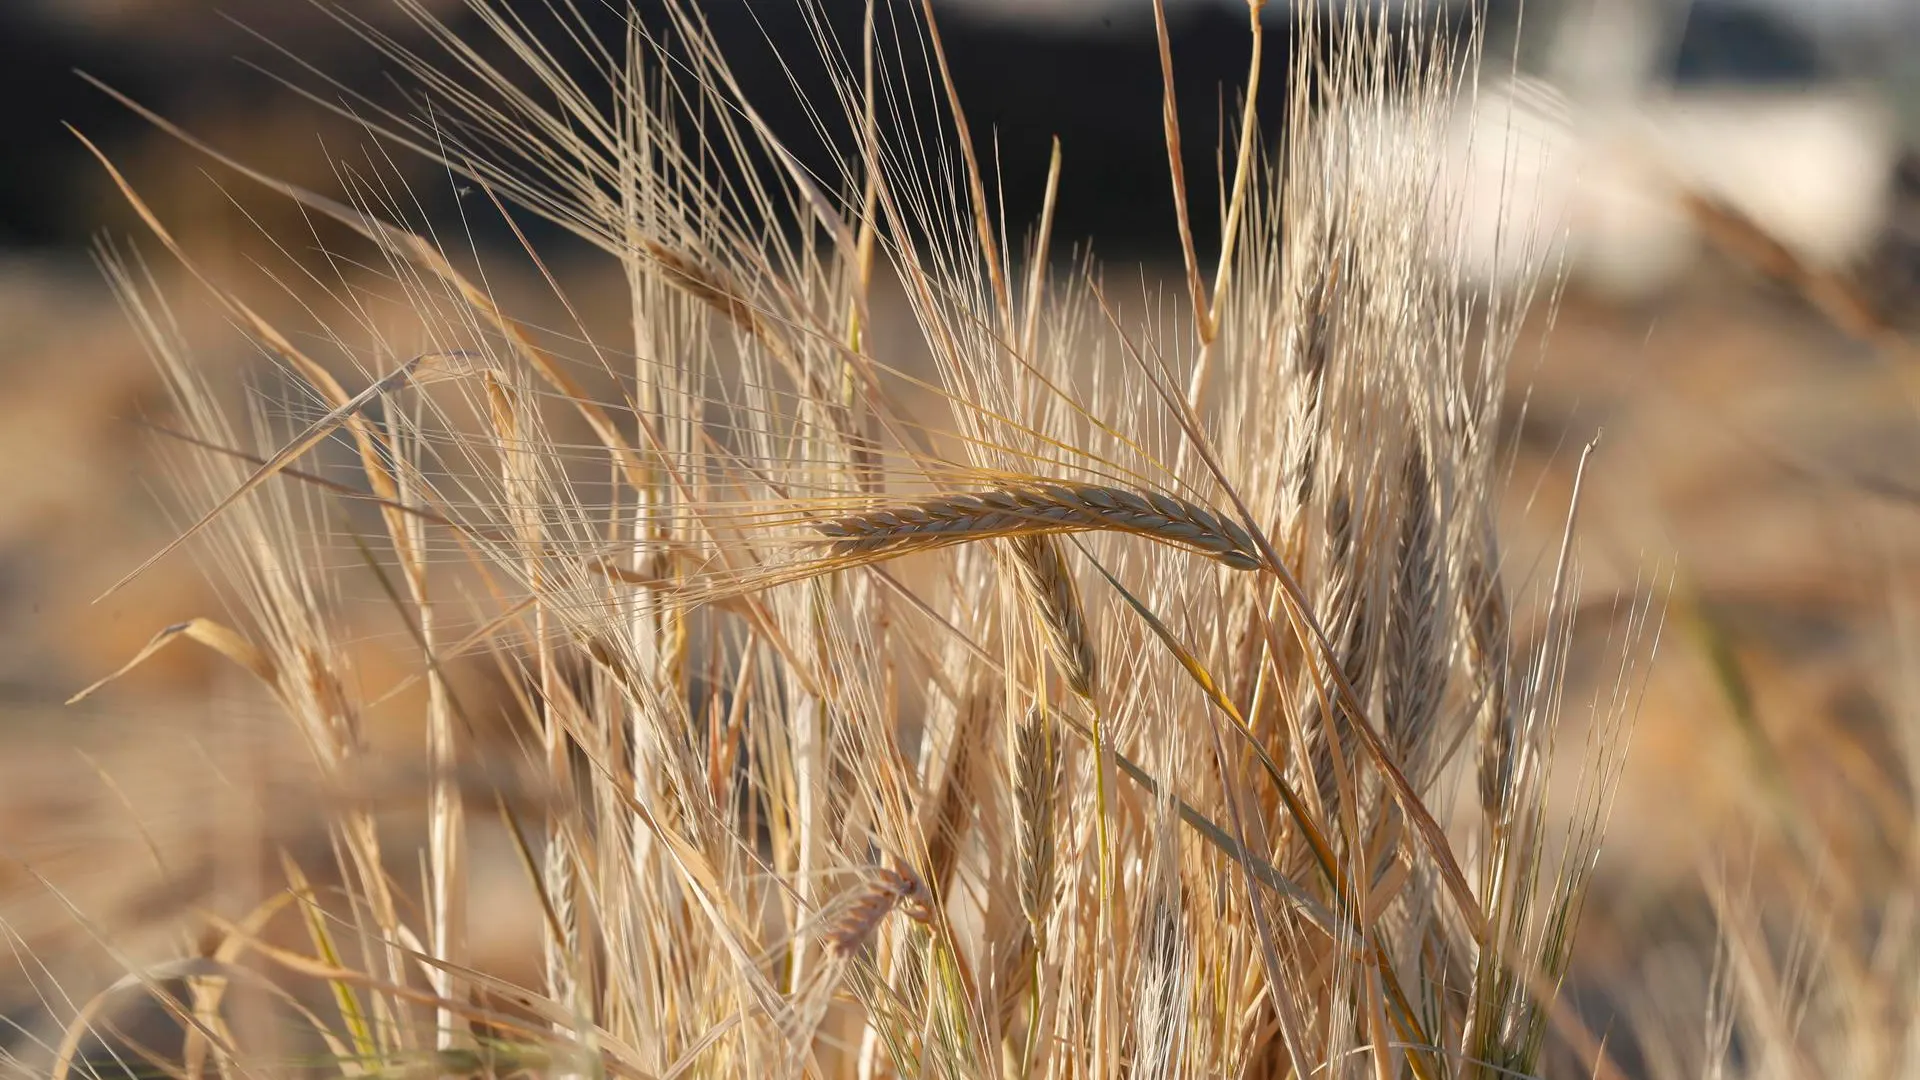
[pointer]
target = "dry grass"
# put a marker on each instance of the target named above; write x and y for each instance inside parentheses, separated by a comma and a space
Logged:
(1142, 759)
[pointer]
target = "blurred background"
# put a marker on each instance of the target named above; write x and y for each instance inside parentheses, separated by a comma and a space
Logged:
(1732, 188)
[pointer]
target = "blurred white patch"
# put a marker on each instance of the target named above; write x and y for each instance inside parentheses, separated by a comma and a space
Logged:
(1535, 176)
(1812, 167)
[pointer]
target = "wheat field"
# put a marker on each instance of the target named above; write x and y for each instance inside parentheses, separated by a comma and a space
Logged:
(838, 633)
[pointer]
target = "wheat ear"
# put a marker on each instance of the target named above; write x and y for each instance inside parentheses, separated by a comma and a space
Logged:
(1348, 610)
(1414, 663)
(1036, 780)
(1042, 577)
(942, 520)
(1036, 789)
(885, 890)
(1161, 1006)
(1488, 643)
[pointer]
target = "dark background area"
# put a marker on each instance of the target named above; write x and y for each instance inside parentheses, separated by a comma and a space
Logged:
(1096, 83)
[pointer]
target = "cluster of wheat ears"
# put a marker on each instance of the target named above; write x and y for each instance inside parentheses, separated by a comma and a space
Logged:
(1092, 702)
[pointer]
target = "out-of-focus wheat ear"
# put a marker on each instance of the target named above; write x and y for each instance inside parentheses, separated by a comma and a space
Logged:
(1488, 643)
(1347, 612)
(1310, 329)
(1036, 790)
(1414, 661)
(1041, 573)
(1310, 345)
(946, 825)
(886, 889)
(1161, 999)
(1036, 766)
